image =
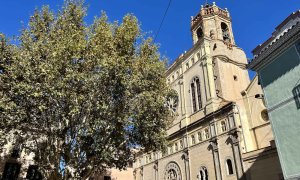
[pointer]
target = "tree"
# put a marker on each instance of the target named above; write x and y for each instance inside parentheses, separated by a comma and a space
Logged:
(81, 97)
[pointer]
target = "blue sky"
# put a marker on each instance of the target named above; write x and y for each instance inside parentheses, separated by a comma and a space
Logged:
(253, 20)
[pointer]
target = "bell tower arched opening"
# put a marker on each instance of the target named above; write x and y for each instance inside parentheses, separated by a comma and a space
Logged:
(225, 32)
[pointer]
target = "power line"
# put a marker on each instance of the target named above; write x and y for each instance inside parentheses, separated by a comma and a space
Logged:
(163, 19)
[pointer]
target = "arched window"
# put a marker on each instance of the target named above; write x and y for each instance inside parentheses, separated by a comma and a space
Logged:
(199, 33)
(229, 167)
(187, 65)
(198, 56)
(199, 93)
(193, 139)
(203, 174)
(181, 144)
(176, 147)
(206, 132)
(199, 136)
(150, 157)
(170, 149)
(225, 32)
(196, 94)
(223, 126)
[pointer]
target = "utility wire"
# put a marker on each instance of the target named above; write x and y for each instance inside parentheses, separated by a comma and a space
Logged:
(163, 19)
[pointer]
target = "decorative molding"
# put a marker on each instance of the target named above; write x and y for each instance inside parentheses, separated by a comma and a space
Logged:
(226, 59)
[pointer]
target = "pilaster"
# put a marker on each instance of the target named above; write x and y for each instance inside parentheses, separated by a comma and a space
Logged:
(207, 63)
(186, 159)
(215, 152)
(237, 154)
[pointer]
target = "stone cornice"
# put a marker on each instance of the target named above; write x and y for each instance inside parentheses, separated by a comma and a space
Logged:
(225, 58)
(195, 124)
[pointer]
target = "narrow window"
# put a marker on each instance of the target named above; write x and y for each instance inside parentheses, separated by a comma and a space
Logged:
(11, 171)
(203, 174)
(107, 178)
(181, 144)
(199, 33)
(196, 94)
(176, 147)
(194, 97)
(198, 56)
(206, 132)
(171, 149)
(199, 93)
(193, 139)
(33, 173)
(187, 65)
(229, 167)
(199, 136)
(225, 32)
(223, 126)
(206, 174)
(164, 152)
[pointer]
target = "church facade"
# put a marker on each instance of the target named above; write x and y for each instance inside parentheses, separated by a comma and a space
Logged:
(212, 136)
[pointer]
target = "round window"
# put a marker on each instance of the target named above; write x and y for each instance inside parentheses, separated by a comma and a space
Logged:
(264, 115)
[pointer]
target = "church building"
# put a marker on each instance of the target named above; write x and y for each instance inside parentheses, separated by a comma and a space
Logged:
(215, 134)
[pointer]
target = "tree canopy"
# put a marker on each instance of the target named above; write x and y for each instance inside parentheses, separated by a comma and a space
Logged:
(81, 97)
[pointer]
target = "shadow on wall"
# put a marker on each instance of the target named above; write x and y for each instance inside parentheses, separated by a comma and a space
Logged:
(278, 68)
(264, 165)
(296, 93)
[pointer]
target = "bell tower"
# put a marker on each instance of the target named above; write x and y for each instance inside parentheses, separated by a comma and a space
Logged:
(212, 22)
(222, 61)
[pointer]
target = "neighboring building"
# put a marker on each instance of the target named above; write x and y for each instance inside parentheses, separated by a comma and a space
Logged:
(218, 133)
(277, 62)
(16, 164)
(115, 174)
(261, 163)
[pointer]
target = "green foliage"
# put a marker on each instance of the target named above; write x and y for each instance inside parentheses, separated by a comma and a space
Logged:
(82, 95)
